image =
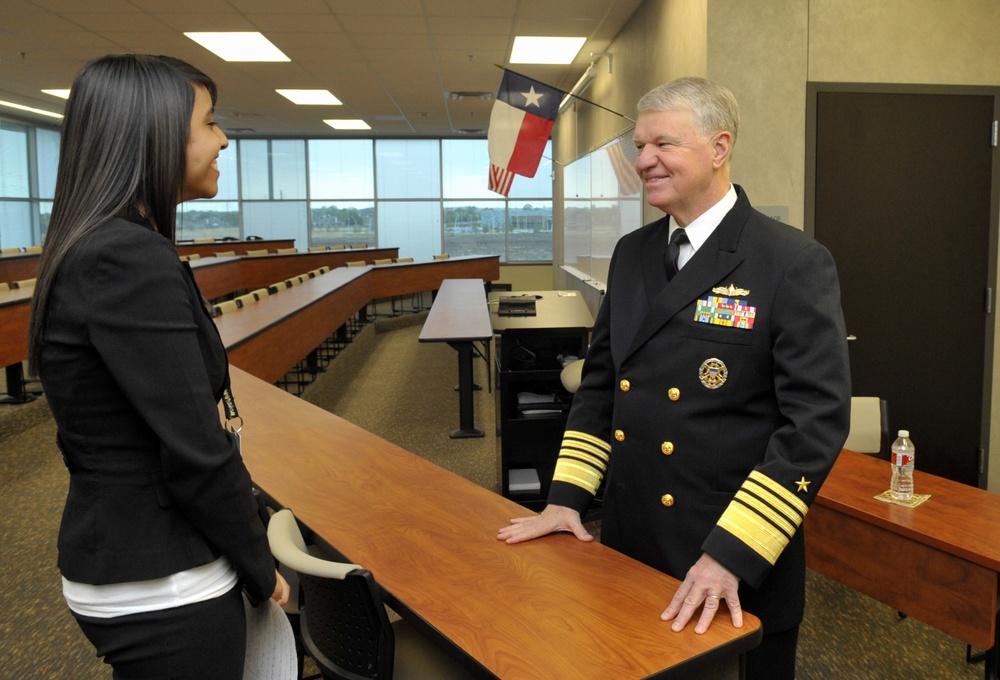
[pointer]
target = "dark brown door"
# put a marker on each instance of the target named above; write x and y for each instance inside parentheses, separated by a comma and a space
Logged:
(902, 198)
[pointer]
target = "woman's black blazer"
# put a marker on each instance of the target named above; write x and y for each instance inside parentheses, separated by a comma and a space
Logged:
(133, 369)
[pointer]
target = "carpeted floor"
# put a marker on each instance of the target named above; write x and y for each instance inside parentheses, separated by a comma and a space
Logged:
(402, 390)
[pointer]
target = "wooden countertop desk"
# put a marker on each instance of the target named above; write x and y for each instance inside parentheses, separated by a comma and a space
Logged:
(15, 307)
(460, 318)
(554, 608)
(554, 309)
(271, 336)
(938, 562)
(18, 266)
(218, 276)
(404, 278)
(239, 246)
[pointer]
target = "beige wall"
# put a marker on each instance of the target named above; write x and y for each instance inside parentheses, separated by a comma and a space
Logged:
(527, 276)
(766, 51)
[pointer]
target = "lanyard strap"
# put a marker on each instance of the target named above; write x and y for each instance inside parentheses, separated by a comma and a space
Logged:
(230, 404)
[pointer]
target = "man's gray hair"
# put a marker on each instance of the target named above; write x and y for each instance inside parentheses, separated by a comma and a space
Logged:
(713, 106)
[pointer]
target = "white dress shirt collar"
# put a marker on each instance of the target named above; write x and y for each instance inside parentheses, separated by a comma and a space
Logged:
(702, 227)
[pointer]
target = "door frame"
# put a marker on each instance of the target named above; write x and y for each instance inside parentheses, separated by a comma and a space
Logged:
(813, 90)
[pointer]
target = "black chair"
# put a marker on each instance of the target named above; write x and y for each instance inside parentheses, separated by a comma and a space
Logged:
(344, 625)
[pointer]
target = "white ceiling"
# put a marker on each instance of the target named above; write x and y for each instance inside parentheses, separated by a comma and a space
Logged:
(391, 62)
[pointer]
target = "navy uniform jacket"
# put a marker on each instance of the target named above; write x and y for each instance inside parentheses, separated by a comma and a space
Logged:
(713, 438)
(133, 368)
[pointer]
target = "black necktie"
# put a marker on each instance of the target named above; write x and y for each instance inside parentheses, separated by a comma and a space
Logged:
(677, 239)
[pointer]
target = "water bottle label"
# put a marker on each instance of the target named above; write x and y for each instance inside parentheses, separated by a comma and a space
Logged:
(902, 458)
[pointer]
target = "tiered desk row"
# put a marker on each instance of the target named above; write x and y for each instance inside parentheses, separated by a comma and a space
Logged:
(269, 338)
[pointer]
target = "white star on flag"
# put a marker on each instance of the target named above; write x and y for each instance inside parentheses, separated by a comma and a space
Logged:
(532, 98)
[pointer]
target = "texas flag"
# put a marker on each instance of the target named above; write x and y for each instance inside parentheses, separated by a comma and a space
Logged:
(520, 124)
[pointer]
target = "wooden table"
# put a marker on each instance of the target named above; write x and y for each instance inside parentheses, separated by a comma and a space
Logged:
(270, 339)
(271, 336)
(459, 317)
(15, 309)
(404, 278)
(938, 562)
(205, 248)
(218, 276)
(18, 266)
(555, 608)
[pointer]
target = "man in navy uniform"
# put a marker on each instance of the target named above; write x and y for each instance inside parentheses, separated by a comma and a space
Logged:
(716, 391)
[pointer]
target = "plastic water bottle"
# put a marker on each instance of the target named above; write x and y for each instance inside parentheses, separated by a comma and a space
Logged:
(903, 451)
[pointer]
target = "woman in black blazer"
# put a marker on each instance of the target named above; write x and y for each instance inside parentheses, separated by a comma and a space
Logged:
(160, 533)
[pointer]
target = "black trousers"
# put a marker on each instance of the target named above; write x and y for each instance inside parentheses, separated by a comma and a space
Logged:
(201, 640)
(774, 658)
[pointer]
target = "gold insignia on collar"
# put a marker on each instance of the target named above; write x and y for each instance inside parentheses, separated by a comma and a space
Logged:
(730, 290)
(803, 484)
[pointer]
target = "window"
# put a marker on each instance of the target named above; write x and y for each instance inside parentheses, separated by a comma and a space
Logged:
(14, 161)
(408, 168)
(342, 223)
(341, 169)
(475, 228)
(424, 196)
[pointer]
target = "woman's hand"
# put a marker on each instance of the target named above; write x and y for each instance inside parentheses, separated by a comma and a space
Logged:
(281, 589)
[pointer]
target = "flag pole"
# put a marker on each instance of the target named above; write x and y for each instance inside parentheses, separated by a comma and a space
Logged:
(575, 96)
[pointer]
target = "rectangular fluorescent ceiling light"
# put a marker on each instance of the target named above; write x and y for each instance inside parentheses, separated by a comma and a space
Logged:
(541, 50)
(347, 124)
(310, 97)
(21, 107)
(62, 94)
(239, 46)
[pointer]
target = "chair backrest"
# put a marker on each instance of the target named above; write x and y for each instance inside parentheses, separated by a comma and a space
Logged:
(869, 427)
(226, 253)
(4, 286)
(317, 249)
(23, 283)
(387, 260)
(359, 245)
(256, 253)
(226, 307)
(323, 270)
(344, 625)
(571, 375)
(287, 251)
(261, 293)
(204, 239)
(404, 259)
(33, 249)
(13, 250)
(338, 247)
(442, 256)
(245, 300)
(356, 263)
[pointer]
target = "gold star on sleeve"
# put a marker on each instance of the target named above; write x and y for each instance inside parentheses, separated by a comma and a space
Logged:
(803, 485)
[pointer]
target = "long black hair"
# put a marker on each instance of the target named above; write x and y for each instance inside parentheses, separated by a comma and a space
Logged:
(123, 154)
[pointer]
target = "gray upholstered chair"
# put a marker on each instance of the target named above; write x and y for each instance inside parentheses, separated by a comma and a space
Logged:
(344, 626)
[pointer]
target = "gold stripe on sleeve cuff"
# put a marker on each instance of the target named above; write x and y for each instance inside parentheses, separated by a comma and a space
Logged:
(764, 515)
(583, 460)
